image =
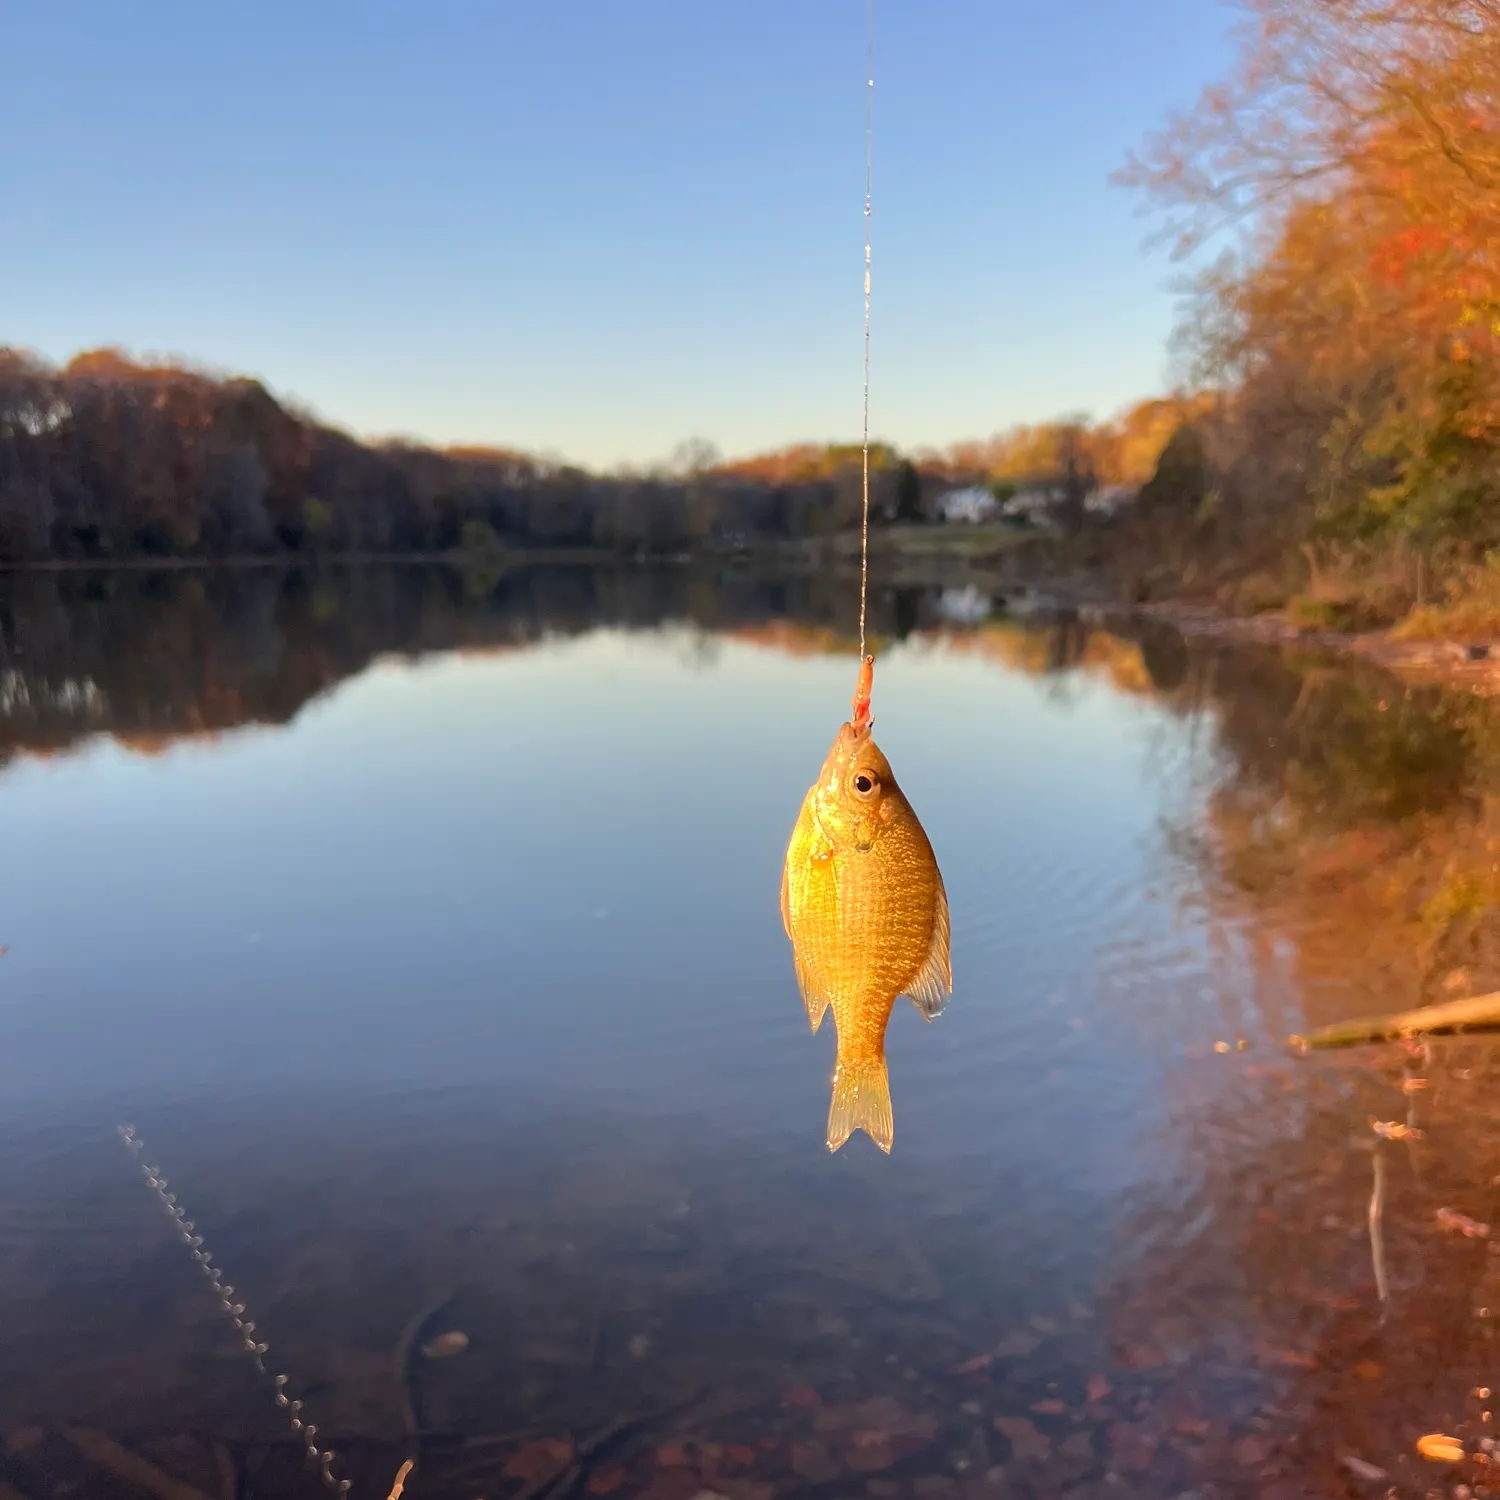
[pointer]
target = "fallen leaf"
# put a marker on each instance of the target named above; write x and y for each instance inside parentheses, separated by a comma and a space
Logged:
(1360, 1468)
(1448, 1218)
(539, 1459)
(1131, 1446)
(1333, 1301)
(445, 1345)
(1075, 1456)
(934, 1487)
(1250, 1452)
(1018, 1345)
(1051, 1407)
(749, 1489)
(1440, 1448)
(870, 1450)
(1275, 1354)
(1025, 1439)
(1369, 1369)
(812, 1461)
(670, 1484)
(673, 1456)
(606, 1481)
(1099, 1387)
(973, 1366)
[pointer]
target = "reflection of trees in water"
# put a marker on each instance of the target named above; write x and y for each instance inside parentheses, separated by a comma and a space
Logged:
(1337, 838)
(148, 656)
(1345, 850)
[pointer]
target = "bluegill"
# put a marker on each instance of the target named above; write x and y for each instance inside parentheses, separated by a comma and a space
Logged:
(863, 904)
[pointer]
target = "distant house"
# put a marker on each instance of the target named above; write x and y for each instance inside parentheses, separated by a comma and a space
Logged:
(966, 606)
(971, 503)
(1108, 499)
(1032, 503)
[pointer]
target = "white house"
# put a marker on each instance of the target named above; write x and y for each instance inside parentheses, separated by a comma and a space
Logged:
(1033, 503)
(971, 503)
(1108, 499)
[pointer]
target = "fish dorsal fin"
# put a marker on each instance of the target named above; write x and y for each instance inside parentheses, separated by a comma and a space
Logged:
(929, 991)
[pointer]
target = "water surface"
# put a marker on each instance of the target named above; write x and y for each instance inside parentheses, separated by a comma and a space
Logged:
(427, 931)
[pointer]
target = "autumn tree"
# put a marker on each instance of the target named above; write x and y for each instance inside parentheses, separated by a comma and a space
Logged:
(1353, 162)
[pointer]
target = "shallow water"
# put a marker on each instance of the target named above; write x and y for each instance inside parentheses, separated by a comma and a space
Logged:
(427, 931)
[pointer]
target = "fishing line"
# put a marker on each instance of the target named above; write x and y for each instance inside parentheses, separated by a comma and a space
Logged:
(864, 525)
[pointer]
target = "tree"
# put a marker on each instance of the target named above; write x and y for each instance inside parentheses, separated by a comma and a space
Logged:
(908, 493)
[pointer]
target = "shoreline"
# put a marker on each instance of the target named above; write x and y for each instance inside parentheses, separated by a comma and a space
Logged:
(1470, 666)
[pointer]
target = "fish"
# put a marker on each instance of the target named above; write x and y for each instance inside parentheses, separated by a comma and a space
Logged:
(863, 905)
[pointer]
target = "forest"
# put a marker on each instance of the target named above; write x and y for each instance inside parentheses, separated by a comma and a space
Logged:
(1341, 192)
(110, 458)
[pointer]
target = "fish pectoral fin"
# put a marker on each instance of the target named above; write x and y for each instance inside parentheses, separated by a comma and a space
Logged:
(929, 991)
(812, 998)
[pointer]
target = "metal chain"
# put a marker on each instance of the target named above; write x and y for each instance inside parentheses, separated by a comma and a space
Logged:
(305, 1432)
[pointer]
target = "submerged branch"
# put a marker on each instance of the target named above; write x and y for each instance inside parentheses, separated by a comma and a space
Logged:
(1476, 1013)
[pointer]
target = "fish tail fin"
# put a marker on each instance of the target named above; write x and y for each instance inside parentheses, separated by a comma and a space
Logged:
(861, 1101)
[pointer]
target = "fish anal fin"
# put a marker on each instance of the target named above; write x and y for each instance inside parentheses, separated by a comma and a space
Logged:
(816, 1003)
(861, 1101)
(929, 991)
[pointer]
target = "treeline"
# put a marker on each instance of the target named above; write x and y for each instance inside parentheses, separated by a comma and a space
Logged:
(1350, 335)
(150, 656)
(1123, 450)
(107, 458)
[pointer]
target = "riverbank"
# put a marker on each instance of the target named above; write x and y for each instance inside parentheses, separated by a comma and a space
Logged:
(905, 555)
(1473, 665)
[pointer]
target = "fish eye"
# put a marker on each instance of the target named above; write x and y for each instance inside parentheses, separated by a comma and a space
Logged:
(864, 783)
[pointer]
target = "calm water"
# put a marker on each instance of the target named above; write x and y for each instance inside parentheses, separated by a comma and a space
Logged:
(427, 931)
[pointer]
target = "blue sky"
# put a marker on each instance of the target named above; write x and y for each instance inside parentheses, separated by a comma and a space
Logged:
(597, 229)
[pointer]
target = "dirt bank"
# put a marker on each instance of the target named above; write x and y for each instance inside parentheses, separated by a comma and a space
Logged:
(1473, 665)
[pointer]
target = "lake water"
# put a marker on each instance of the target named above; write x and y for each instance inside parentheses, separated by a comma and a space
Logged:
(426, 929)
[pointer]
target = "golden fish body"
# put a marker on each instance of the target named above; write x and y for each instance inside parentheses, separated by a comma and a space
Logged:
(863, 904)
